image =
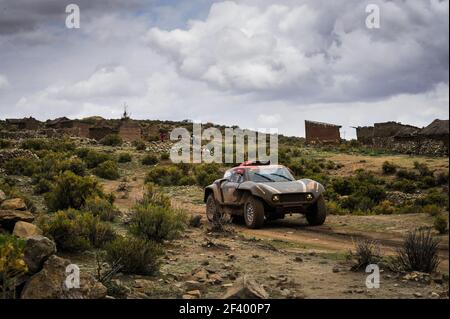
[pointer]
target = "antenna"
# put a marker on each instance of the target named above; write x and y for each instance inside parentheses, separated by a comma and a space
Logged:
(126, 115)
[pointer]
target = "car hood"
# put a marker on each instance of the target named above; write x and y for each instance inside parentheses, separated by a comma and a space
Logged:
(298, 186)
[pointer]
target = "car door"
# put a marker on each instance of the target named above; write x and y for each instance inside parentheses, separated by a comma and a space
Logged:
(229, 188)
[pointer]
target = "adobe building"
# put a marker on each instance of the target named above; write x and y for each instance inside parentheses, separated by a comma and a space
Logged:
(130, 130)
(318, 132)
(29, 123)
(77, 128)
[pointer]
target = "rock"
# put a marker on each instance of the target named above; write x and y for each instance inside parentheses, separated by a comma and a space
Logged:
(25, 230)
(49, 283)
(2, 196)
(193, 285)
(8, 218)
(246, 288)
(417, 295)
(298, 259)
(336, 269)
(435, 295)
(188, 297)
(201, 275)
(215, 279)
(195, 293)
(36, 252)
(13, 204)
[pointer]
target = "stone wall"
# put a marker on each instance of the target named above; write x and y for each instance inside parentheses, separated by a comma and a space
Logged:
(322, 132)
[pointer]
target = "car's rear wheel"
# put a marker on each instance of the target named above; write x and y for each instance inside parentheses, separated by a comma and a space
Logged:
(317, 213)
(254, 213)
(211, 207)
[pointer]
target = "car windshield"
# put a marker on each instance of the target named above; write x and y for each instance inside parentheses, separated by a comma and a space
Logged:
(270, 174)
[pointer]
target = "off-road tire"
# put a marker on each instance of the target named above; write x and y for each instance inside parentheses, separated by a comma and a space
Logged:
(317, 213)
(254, 213)
(211, 208)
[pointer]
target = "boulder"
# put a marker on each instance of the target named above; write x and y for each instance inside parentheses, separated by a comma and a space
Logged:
(37, 250)
(2, 196)
(49, 283)
(245, 288)
(14, 204)
(8, 218)
(25, 230)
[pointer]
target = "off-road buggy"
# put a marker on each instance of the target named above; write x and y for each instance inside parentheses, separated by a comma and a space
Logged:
(258, 192)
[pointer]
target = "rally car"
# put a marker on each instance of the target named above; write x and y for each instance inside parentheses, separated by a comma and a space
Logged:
(259, 191)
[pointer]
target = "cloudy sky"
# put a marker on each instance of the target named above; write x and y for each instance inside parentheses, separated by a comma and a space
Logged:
(253, 63)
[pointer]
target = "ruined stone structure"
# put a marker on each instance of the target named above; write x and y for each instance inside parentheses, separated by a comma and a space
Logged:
(318, 132)
(130, 130)
(78, 128)
(431, 140)
(29, 123)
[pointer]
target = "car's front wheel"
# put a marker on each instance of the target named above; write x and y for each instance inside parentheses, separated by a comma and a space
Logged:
(211, 208)
(317, 213)
(254, 213)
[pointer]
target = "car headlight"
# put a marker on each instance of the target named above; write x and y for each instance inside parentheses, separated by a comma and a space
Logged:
(275, 198)
(309, 197)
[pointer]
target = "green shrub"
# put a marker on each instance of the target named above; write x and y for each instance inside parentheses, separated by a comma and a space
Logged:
(420, 252)
(140, 145)
(75, 165)
(54, 144)
(423, 169)
(149, 160)
(157, 223)
(164, 176)
(195, 221)
(405, 174)
(22, 166)
(384, 208)
(206, 174)
(333, 208)
(404, 185)
(71, 191)
(111, 140)
(124, 158)
(440, 223)
(442, 178)
(367, 253)
(389, 168)
(75, 231)
(433, 197)
(165, 156)
(12, 264)
(426, 182)
(187, 180)
(343, 186)
(152, 196)
(102, 208)
(432, 210)
(5, 143)
(134, 255)
(42, 186)
(93, 158)
(107, 170)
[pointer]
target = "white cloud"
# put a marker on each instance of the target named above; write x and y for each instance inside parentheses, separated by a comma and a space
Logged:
(4, 83)
(269, 120)
(311, 53)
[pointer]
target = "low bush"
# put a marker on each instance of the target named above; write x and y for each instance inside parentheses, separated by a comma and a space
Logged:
(124, 158)
(432, 210)
(206, 174)
(111, 140)
(157, 223)
(165, 156)
(195, 221)
(12, 264)
(101, 208)
(403, 185)
(71, 191)
(75, 231)
(5, 143)
(149, 160)
(433, 197)
(164, 176)
(107, 170)
(442, 178)
(384, 208)
(93, 158)
(389, 168)
(419, 252)
(367, 252)
(140, 145)
(440, 223)
(423, 169)
(134, 255)
(343, 186)
(333, 208)
(22, 166)
(406, 174)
